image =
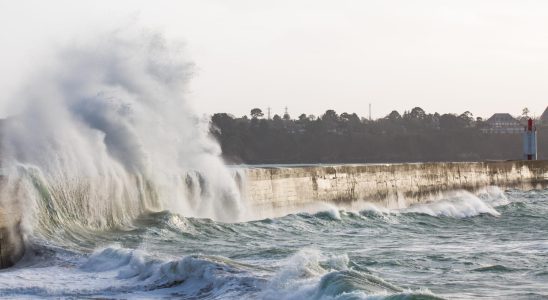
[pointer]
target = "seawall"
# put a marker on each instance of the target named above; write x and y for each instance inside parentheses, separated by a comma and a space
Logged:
(390, 185)
(272, 191)
(12, 247)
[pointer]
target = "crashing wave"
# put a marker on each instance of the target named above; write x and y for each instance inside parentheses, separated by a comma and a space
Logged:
(105, 133)
(459, 205)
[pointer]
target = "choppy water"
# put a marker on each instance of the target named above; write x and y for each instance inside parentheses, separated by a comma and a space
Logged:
(465, 247)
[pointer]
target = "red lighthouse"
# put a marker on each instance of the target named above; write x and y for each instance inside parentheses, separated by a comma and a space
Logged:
(530, 141)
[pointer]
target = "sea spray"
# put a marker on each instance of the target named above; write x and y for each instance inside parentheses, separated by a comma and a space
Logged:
(301, 256)
(105, 132)
(458, 204)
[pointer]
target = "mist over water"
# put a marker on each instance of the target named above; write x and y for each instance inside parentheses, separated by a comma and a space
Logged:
(105, 132)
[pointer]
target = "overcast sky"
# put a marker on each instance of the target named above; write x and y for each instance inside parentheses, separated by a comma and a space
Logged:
(445, 56)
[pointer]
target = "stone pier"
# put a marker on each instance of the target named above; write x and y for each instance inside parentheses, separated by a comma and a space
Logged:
(274, 189)
(383, 184)
(12, 247)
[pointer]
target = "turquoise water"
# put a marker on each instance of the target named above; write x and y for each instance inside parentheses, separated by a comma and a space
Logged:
(493, 246)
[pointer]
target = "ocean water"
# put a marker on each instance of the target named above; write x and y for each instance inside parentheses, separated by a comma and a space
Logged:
(123, 195)
(493, 245)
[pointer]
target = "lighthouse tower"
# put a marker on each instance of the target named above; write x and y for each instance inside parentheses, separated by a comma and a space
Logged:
(530, 141)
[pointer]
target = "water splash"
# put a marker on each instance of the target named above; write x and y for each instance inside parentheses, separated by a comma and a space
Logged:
(105, 132)
(459, 204)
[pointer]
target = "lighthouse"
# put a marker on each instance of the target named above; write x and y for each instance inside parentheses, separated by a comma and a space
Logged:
(530, 141)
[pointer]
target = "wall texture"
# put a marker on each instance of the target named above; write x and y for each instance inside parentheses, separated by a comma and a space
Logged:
(384, 184)
(274, 189)
(12, 247)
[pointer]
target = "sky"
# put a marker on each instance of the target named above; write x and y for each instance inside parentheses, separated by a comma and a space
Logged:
(483, 56)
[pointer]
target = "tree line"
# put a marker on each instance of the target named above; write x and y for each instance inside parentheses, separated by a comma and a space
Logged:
(414, 136)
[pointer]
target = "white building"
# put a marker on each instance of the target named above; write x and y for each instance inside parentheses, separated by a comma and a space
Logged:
(503, 123)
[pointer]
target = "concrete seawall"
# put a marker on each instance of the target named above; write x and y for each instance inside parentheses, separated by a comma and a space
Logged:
(12, 247)
(272, 191)
(389, 185)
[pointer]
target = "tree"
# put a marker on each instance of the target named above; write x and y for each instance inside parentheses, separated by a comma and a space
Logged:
(468, 118)
(221, 120)
(525, 112)
(346, 117)
(256, 113)
(330, 115)
(417, 113)
(344, 138)
(393, 116)
(450, 122)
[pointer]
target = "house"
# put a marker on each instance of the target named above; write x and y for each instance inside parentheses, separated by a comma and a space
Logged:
(544, 118)
(503, 123)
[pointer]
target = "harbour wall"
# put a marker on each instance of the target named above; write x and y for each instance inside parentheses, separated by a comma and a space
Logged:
(12, 247)
(272, 189)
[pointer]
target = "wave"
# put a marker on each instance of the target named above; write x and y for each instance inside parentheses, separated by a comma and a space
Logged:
(127, 273)
(156, 258)
(105, 133)
(190, 276)
(116, 272)
(455, 204)
(310, 275)
(332, 213)
(494, 268)
(494, 196)
(458, 205)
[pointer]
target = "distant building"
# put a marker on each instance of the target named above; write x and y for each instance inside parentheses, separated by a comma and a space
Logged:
(544, 118)
(503, 123)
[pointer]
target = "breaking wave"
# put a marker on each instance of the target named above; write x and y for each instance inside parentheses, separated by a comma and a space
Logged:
(125, 196)
(458, 205)
(105, 133)
(306, 275)
(325, 255)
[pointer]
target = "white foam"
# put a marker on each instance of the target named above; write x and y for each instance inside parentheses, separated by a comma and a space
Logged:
(460, 204)
(125, 273)
(105, 132)
(298, 276)
(372, 207)
(494, 196)
(117, 272)
(333, 211)
(311, 275)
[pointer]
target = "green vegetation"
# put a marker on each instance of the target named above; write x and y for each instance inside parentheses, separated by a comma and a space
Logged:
(415, 136)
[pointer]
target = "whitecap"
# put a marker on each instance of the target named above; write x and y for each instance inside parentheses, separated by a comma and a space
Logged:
(460, 204)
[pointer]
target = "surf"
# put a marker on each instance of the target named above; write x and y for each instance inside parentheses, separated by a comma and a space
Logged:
(104, 133)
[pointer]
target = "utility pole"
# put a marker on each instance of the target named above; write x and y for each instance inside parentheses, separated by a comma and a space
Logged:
(268, 113)
(369, 111)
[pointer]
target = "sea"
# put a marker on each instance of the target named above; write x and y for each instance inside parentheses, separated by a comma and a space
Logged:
(122, 193)
(491, 245)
